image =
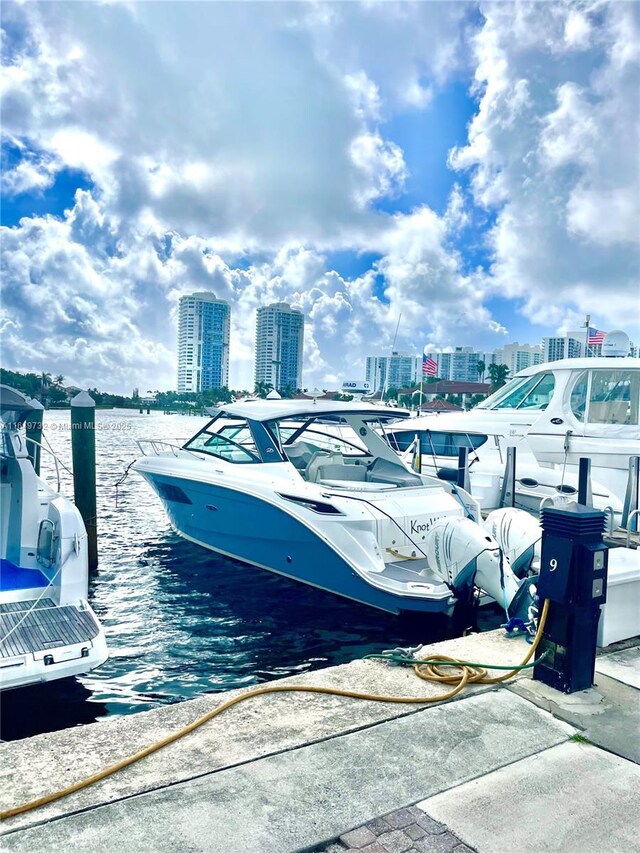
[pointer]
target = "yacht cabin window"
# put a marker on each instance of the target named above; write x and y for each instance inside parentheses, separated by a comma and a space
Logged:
(613, 398)
(579, 396)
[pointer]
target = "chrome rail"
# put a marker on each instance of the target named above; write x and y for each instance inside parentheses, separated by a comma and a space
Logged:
(48, 450)
(156, 445)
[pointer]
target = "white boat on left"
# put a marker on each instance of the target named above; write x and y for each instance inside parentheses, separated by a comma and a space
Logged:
(47, 627)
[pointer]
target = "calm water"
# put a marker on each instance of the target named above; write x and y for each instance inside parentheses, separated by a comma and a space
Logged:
(180, 620)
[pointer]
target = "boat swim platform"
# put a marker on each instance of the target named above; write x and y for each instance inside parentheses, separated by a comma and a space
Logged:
(40, 625)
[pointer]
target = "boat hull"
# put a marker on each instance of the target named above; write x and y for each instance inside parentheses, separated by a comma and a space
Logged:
(255, 531)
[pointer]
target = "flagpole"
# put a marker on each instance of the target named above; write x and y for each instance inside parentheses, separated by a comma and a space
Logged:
(587, 320)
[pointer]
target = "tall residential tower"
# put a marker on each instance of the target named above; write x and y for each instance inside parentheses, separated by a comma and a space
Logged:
(279, 343)
(203, 343)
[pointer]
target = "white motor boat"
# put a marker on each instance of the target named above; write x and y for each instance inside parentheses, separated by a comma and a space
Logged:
(47, 627)
(554, 414)
(314, 492)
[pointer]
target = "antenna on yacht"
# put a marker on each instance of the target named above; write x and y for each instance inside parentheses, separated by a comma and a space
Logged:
(393, 349)
(587, 321)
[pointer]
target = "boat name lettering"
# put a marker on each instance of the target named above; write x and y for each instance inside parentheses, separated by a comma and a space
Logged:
(418, 527)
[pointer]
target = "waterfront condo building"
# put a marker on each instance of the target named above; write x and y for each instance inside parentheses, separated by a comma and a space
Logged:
(279, 345)
(461, 365)
(517, 356)
(397, 370)
(203, 343)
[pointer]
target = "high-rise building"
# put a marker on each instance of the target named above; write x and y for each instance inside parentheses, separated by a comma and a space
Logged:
(568, 345)
(203, 342)
(518, 356)
(461, 365)
(397, 370)
(279, 346)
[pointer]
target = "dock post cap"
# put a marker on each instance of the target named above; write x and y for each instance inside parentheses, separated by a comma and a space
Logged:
(35, 404)
(83, 398)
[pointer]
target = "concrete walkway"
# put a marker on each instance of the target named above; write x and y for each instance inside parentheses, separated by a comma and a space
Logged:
(495, 770)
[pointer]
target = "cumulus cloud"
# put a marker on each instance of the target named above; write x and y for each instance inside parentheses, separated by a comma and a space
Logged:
(553, 150)
(236, 147)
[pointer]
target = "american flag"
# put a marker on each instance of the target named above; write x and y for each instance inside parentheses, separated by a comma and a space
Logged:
(429, 366)
(595, 337)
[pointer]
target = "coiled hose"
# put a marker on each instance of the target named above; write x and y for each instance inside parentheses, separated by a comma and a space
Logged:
(429, 669)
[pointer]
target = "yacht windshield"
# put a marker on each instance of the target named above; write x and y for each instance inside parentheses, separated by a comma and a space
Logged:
(227, 438)
(533, 392)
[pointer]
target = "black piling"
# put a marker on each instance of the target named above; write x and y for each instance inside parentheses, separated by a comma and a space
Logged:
(585, 496)
(83, 450)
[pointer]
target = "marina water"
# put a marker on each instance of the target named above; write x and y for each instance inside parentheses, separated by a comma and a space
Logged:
(180, 620)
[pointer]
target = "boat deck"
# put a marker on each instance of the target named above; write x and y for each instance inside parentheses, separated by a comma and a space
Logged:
(47, 626)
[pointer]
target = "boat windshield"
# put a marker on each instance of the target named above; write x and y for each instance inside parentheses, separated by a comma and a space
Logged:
(533, 392)
(227, 438)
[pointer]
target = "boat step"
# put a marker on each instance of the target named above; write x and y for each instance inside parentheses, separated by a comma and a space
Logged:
(46, 626)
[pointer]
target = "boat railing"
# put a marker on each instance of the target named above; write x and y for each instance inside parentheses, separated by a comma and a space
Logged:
(58, 464)
(156, 446)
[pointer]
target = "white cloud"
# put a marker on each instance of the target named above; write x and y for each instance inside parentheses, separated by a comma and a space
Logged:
(553, 150)
(235, 147)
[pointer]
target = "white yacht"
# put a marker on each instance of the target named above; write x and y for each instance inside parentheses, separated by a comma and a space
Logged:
(47, 628)
(554, 414)
(313, 491)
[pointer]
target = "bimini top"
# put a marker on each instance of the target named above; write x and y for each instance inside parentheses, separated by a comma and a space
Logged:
(269, 410)
(581, 364)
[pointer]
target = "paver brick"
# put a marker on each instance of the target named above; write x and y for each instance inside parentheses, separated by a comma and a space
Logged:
(395, 841)
(415, 831)
(358, 838)
(462, 848)
(400, 818)
(432, 826)
(379, 826)
(444, 843)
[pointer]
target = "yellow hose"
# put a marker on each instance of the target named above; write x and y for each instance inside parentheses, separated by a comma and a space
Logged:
(431, 670)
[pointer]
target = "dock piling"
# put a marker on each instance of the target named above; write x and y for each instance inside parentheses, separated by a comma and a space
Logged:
(33, 430)
(83, 451)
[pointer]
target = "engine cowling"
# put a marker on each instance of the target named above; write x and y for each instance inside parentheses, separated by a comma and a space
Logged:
(519, 535)
(462, 552)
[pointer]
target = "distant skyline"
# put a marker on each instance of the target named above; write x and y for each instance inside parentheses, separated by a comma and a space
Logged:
(469, 167)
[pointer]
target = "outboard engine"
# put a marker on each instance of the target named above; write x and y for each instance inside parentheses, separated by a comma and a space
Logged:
(462, 553)
(519, 535)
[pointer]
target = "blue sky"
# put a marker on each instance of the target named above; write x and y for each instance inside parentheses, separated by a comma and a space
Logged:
(455, 163)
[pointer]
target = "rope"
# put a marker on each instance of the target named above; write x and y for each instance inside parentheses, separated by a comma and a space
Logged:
(429, 669)
(30, 610)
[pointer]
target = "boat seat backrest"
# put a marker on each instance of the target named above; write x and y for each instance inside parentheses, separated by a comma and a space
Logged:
(320, 458)
(352, 473)
(383, 471)
(300, 454)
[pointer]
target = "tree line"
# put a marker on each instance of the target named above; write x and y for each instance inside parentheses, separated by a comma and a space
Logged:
(51, 391)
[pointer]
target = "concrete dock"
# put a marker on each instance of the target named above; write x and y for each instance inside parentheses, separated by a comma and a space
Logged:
(499, 767)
